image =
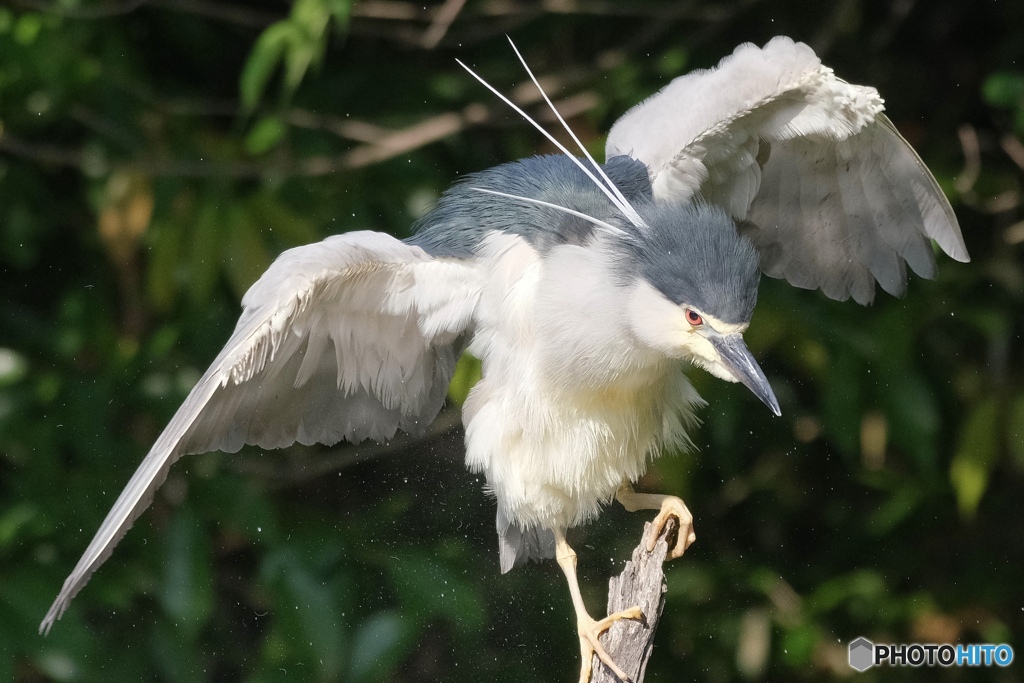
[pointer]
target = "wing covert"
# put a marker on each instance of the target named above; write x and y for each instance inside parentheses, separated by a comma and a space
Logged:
(829, 192)
(351, 338)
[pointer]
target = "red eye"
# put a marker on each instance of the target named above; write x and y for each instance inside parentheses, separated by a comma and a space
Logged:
(693, 317)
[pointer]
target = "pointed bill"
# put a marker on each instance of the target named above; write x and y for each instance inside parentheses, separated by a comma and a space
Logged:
(737, 357)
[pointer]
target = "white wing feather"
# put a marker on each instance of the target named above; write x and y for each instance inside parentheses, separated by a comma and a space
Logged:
(351, 338)
(834, 196)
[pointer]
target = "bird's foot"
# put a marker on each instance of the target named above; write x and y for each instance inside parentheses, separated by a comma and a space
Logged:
(590, 645)
(671, 506)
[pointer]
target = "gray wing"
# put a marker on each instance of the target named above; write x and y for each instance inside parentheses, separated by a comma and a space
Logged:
(351, 338)
(822, 183)
(843, 215)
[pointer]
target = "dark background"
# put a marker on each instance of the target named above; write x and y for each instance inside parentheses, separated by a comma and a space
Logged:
(155, 156)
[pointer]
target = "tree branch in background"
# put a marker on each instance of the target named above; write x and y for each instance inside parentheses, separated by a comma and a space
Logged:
(381, 144)
(442, 21)
(642, 583)
(966, 181)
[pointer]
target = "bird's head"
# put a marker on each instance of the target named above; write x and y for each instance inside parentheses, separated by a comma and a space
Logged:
(693, 285)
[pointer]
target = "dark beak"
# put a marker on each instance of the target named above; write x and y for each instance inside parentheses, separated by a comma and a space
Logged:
(737, 357)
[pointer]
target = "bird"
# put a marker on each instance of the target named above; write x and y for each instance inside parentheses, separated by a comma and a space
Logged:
(588, 291)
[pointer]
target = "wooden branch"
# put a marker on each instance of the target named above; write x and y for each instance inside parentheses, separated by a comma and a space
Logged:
(642, 583)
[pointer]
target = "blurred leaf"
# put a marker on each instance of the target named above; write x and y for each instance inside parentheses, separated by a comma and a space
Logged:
(273, 216)
(206, 250)
(6, 20)
(164, 263)
(264, 135)
(430, 589)
(27, 28)
(264, 59)
(1015, 429)
(467, 373)
(250, 510)
(798, 645)
(900, 506)
(187, 589)
(378, 646)
(126, 212)
(12, 520)
(339, 10)
(1004, 89)
(297, 43)
(975, 457)
(177, 660)
(304, 52)
(913, 415)
(673, 62)
(13, 367)
(835, 591)
(1018, 121)
(308, 613)
(843, 401)
(247, 255)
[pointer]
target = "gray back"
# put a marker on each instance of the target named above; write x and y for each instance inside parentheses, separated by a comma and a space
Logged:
(463, 217)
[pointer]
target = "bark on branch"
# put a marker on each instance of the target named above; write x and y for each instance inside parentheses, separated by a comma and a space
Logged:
(642, 583)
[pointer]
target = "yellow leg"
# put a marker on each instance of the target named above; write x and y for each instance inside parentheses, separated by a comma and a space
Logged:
(589, 630)
(669, 506)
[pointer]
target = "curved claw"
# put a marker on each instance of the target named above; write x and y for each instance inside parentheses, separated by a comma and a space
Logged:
(671, 506)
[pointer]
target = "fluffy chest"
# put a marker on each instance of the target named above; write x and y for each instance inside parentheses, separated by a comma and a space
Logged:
(553, 457)
(570, 406)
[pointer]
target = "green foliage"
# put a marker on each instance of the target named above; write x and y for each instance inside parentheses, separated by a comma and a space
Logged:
(467, 373)
(975, 456)
(264, 135)
(296, 44)
(1005, 90)
(139, 200)
(187, 589)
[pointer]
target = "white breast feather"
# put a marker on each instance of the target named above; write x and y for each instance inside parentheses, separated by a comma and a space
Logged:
(570, 407)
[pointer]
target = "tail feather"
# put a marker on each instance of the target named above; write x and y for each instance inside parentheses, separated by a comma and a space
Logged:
(517, 545)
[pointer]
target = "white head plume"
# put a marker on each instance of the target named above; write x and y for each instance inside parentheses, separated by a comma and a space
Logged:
(601, 179)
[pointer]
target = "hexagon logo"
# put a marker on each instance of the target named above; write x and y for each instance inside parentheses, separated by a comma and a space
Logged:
(862, 654)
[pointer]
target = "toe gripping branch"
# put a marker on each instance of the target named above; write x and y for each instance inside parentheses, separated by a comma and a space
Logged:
(641, 584)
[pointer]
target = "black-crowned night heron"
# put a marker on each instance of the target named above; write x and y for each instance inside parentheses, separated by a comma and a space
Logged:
(582, 289)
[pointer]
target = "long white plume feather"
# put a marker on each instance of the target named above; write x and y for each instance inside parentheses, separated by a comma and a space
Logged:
(623, 206)
(540, 202)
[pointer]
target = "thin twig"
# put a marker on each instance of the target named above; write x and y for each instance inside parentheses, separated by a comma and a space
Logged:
(98, 11)
(972, 159)
(397, 10)
(240, 15)
(1014, 149)
(442, 22)
(386, 145)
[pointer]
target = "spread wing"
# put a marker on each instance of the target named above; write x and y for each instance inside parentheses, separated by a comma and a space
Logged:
(819, 179)
(351, 338)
